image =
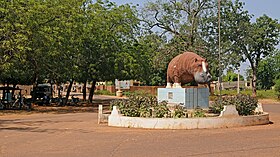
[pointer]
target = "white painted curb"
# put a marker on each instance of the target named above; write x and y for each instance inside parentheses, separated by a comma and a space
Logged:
(225, 120)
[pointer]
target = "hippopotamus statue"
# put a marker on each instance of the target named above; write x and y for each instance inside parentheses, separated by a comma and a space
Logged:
(185, 68)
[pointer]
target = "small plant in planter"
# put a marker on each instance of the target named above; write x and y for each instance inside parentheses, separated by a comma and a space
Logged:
(245, 104)
(138, 106)
(146, 106)
(179, 112)
(199, 112)
(161, 110)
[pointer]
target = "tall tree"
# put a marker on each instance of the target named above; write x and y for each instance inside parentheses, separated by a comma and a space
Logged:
(179, 21)
(269, 70)
(108, 33)
(264, 37)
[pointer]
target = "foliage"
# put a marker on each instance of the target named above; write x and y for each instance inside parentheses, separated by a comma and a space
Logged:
(177, 23)
(248, 40)
(261, 94)
(161, 110)
(179, 111)
(146, 106)
(263, 41)
(245, 104)
(147, 48)
(233, 18)
(137, 92)
(268, 70)
(199, 112)
(136, 105)
(277, 87)
(231, 76)
(241, 39)
(64, 40)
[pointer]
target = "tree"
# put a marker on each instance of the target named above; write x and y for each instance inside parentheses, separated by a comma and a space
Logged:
(152, 64)
(177, 21)
(268, 70)
(234, 24)
(245, 40)
(105, 43)
(277, 87)
(231, 76)
(193, 26)
(264, 36)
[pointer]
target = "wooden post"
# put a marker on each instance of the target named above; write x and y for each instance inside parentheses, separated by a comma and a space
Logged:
(100, 112)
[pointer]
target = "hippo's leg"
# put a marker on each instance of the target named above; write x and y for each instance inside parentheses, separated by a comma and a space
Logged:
(168, 80)
(169, 85)
(177, 85)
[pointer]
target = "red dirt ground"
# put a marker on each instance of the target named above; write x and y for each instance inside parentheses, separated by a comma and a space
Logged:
(78, 134)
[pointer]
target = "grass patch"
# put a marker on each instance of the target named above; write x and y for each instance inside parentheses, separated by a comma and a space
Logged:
(137, 92)
(103, 92)
(261, 94)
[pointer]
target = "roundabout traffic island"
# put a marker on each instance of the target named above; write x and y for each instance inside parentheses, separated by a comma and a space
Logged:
(176, 107)
(229, 117)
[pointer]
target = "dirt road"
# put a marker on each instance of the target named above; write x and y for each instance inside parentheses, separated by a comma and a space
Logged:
(78, 134)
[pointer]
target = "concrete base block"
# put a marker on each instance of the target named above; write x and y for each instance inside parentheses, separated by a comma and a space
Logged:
(229, 111)
(190, 98)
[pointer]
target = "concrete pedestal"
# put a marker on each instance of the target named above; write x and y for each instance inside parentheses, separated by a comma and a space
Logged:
(190, 98)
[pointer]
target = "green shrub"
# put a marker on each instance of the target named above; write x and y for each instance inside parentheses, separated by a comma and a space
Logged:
(145, 106)
(277, 88)
(199, 112)
(135, 105)
(245, 104)
(179, 111)
(161, 110)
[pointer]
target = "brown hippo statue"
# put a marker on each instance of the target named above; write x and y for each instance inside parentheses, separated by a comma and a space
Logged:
(185, 68)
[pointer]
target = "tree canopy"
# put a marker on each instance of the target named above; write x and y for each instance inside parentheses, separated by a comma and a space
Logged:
(84, 40)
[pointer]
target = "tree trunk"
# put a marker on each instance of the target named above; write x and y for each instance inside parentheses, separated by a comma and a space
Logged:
(13, 91)
(51, 89)
(85, 91)
(58, 89)
(91, 91)
(8, 91)
(4, 91)
(254, 82)
(68, 92)
(34, 82)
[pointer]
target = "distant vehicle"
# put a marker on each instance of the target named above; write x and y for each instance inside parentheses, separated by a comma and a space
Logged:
(41, 91)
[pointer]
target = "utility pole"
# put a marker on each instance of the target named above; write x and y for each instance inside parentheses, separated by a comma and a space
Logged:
(219, 47)
(238, 80)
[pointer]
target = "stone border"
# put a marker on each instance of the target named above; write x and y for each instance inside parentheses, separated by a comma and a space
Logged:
(227, 118)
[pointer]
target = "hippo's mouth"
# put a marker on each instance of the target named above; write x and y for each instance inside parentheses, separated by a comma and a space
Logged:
(202, 77)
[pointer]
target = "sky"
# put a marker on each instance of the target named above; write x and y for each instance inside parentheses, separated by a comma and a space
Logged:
(255, 7)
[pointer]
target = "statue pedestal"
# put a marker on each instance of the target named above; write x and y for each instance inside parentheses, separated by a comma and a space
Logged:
(190, 98)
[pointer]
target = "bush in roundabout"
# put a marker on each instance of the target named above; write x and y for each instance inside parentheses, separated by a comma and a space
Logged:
(245, 104)
(145, 105)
